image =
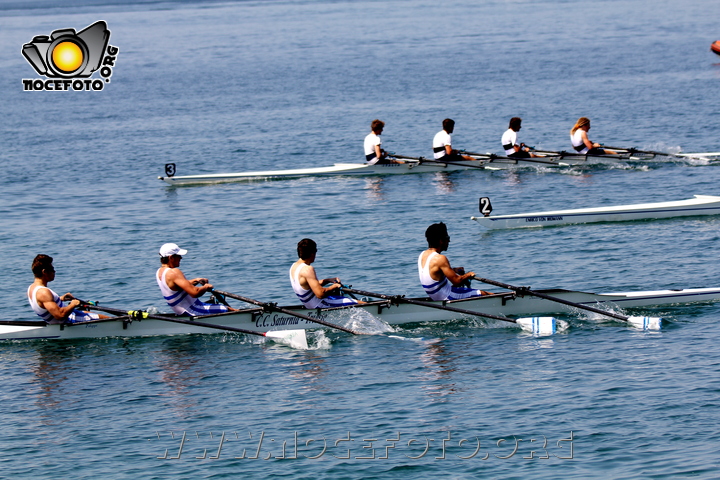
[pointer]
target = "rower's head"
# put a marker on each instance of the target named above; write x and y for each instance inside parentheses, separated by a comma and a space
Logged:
(170, 252)
(437, 236)
(43, 266)
(449, 125)
(306, 249)
(377, 126)
(581, 123)
(515, 124)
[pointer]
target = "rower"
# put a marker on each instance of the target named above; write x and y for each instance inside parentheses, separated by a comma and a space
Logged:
(509, 141)
(179, 292)
(442, 144)
(306, 285)
(49, 305)
(438, 278)
(582, 144)
(373, 145)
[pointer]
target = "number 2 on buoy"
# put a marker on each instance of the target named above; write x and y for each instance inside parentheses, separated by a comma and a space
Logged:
(485, 206)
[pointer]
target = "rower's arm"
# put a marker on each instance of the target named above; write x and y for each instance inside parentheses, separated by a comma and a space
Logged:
(444, 266)
(176, 280)
(586, 140)
(310, 277)
(45, 300)
(378, 152)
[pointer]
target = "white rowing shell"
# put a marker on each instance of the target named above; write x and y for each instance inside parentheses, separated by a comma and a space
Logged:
(700, 205)
(254, 319)
(351, 169)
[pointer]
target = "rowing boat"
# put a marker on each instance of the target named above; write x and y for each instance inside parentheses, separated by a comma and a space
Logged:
(484, 161)
(393, 313)
(700, 205)
(348, 169)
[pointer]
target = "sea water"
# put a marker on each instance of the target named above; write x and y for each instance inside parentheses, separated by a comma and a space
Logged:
(257, 85)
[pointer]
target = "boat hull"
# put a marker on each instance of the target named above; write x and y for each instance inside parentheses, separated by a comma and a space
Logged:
(346, 169)
(506, 304)
(700, 205)
(428, 166)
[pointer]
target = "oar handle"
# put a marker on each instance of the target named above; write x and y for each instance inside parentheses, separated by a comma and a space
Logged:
(492, 156)
(475, 154)
(273, 307)
(632, 150)
(526, 290)
(402, 299)
(443, 162)
(627, 149)
(404, 157)
(552, 152)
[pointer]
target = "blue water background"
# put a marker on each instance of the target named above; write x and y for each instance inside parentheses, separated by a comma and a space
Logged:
(237, 86)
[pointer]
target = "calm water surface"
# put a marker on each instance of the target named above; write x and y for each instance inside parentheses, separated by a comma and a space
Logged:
(235, 86)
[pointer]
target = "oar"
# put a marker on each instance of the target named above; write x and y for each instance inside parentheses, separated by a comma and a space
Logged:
(405, 157)
(272, 307)
(668, 154)
(492, 156)
(646, 323)
(294, 338)
(635, 150)
(536, 325)
(439, 162)
(550, 152)
(702, 155)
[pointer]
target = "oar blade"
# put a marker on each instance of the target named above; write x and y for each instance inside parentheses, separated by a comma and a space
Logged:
(539, 325)
(646, 323)
(292, 338)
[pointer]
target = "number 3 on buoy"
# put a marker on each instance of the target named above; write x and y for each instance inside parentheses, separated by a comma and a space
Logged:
(485, 206)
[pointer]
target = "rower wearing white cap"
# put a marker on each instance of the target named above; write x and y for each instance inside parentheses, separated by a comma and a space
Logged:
(179, 292)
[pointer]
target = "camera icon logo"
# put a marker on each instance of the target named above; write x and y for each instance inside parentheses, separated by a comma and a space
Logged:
(68, 54)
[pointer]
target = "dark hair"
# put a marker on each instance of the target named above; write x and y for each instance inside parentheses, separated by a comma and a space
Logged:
(306, 248)
(436, 233)
(40, 263)
(515, 123)
(377, 125)
(448, 124)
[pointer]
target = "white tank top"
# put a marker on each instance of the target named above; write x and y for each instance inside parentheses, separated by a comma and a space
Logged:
(42, 313)
(307, 297)
(577, 141)
(508, 141)
(179, 301)
(436, 289)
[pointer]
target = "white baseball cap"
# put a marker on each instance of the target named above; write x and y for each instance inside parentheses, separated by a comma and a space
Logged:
(170, 249)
